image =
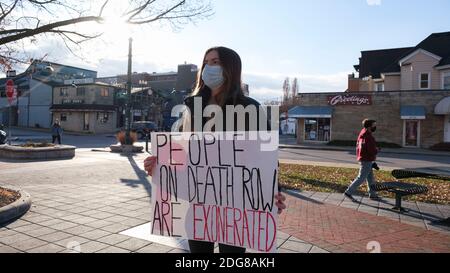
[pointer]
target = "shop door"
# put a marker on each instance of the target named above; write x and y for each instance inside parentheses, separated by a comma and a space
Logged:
(412, 135)
(86, 122)
(447, 129)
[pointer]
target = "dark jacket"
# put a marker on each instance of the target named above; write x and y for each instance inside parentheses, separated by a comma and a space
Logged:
(205, 95)
(366, 146)
(56, 130)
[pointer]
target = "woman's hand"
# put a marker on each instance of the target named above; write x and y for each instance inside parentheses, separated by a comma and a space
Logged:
(280, 202)
(149, 164)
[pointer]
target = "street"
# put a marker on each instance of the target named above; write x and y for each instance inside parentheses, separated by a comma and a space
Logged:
(386, 160)
(91, 201)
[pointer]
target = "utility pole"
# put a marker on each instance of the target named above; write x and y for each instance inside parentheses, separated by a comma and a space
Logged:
(128, 105)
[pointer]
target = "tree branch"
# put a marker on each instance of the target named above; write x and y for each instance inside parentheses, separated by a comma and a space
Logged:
(172, 14)
(10, 31)
(26, 19)
(138, 10)
(86, 37)
(4, 14)
(159, 16)
(103, 8)
(47, 28)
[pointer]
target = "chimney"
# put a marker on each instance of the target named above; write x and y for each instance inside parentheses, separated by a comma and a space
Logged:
(353, 83)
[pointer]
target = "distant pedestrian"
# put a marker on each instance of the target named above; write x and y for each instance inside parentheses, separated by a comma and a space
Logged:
(366, 152)
(56, 132)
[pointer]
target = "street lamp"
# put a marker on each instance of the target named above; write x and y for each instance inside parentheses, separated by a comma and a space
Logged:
(11, 94)
(128, 101)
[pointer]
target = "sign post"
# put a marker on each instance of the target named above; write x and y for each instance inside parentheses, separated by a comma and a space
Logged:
(216, 187)
(11, 94)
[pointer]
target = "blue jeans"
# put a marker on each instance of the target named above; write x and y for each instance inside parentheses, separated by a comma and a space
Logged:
(365, 173)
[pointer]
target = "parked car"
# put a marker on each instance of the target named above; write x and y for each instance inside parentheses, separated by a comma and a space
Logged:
(143, 127)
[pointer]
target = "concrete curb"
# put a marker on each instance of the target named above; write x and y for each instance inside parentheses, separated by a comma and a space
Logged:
(17, 208)
(383, 151)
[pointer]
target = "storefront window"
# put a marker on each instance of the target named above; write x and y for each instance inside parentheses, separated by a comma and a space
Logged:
(317, 129)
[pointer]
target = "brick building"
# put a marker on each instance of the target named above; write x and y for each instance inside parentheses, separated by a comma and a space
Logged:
(406, 90)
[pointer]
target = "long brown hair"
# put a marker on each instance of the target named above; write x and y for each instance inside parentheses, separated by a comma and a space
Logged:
(232, 73)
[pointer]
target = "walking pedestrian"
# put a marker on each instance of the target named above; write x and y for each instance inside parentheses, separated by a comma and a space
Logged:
(366, 152)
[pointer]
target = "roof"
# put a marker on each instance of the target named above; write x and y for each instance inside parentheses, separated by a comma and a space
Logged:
(445, 61)
(438, 44)
(79, 107)
(86, 84)
(376, 62)
(25, 76)
(69, 66)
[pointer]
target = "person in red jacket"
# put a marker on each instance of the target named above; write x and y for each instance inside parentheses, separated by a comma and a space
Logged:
(366, 152)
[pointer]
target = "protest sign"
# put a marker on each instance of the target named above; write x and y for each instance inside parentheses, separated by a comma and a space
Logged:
(216, 187)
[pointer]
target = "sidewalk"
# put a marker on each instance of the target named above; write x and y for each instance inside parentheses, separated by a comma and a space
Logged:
(419, 214)
(290, 143)
(88, 202)
(346, 230)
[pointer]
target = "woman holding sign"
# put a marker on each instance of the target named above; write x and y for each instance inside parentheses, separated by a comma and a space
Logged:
(218, 84)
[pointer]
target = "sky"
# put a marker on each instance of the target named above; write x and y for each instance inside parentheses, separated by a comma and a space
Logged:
(317, 41)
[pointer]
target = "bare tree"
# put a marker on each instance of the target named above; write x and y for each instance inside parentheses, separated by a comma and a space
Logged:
(286, 90)
(294, 88)
(25, 20)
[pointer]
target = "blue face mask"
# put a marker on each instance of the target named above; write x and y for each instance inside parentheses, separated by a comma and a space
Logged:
(212, 76)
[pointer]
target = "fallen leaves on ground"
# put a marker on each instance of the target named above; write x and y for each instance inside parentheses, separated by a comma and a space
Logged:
(336, 180)
(8, 196)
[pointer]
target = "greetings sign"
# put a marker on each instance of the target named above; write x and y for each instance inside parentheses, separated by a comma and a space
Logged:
(216, 187)
(350, 100)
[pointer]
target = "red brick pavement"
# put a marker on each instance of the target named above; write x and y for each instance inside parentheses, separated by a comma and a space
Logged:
(339, 229)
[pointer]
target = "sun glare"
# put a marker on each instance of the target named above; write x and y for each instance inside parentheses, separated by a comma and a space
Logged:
(114, 24)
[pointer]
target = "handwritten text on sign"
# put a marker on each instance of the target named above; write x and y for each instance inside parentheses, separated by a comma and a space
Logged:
(216, 187)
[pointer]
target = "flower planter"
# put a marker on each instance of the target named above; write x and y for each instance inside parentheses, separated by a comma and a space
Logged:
(16, 209)
(42, 153)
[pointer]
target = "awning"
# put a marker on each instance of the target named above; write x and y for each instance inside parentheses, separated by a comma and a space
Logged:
(413, 112)
(310, 112)
(443, 107)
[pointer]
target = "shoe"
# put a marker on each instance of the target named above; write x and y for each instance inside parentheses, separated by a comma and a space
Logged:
(349, 196)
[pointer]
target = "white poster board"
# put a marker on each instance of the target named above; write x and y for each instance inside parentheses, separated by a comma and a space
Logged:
(216, 187)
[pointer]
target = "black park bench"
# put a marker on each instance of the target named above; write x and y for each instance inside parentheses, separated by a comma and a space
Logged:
(401, 189)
